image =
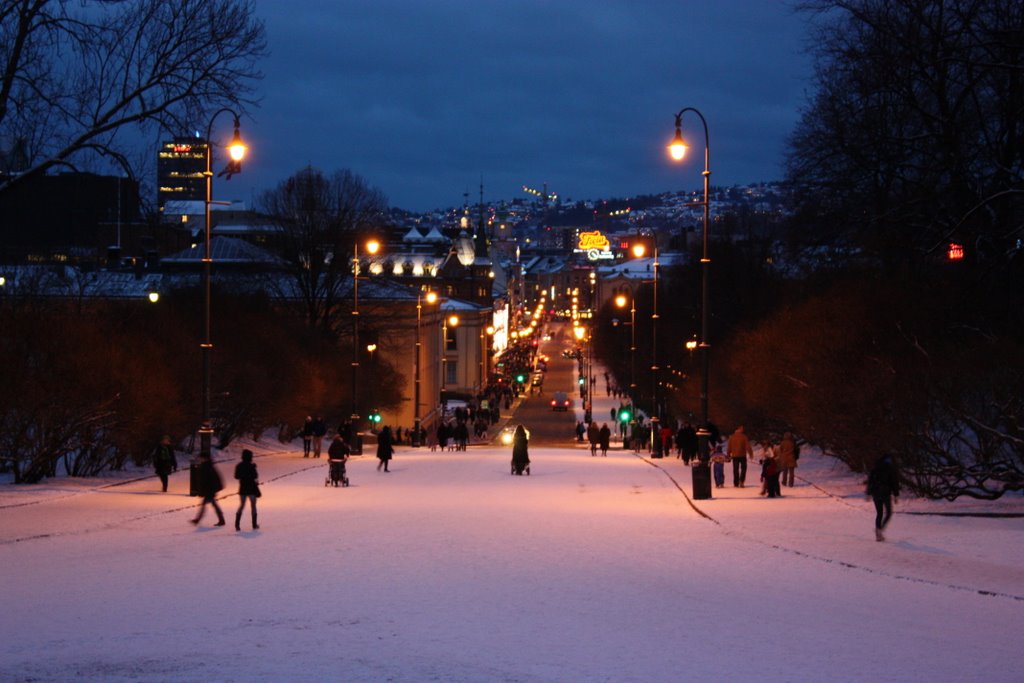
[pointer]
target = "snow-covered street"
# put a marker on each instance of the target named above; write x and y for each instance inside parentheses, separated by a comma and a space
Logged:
(449, 569)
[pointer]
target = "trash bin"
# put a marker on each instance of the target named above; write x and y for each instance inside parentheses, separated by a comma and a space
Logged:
(193, 477)
(356, 447)
(701, 481)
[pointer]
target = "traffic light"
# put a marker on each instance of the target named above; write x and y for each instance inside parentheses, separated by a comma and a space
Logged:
(580, 381)
(625, 414)
(520, 377)
(375, 417)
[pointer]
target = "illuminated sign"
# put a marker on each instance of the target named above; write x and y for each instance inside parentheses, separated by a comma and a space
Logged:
(594, 245)
(955, 252)
(593, 240)
(182, 148)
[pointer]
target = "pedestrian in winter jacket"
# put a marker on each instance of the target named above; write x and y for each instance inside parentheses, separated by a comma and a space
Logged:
(164, 461)
(604, 438)
(786, 454)
(209, 484)
(739, 451)
(770, 475)
(883, 488)
(520, 450)
(248, 488)
(385, 449)
(307, 436)
(594, 437)
(319, 428)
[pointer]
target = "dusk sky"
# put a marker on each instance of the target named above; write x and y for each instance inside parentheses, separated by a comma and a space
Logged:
(423, 99)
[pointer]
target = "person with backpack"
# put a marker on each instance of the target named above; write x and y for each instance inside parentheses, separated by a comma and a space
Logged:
(884, 489)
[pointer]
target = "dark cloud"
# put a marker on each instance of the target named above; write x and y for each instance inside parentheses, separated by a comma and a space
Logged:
(423, 98)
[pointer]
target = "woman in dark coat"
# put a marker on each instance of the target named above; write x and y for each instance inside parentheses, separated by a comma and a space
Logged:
(604, 438)
(248, 488)
(883, 487)
(209, 483)
(164, 461)
(520, 451)
(385, 449)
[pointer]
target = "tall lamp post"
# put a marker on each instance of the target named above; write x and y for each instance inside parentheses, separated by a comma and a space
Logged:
(639, 251)
(621, 301)
(446, 320)
(430, 297)
(372, 246)
(236, 150)
(677, 149)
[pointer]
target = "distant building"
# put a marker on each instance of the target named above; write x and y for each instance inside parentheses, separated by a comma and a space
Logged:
(180, 165)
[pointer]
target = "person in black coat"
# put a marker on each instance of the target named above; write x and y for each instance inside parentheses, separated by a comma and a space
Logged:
(520, 450)
(307, 436)
(385, 449)
(248, 488)
(319, 428)
(883, 488)
(164, 461)
(209, 483)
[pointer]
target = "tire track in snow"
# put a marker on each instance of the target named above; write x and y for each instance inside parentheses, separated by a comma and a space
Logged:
(828, 560)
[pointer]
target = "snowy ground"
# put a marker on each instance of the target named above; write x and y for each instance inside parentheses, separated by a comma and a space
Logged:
(449, 569)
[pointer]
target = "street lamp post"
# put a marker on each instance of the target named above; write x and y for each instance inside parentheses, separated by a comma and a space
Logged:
(656, 450)
(678, 150)
(446, 320)
(237, 151)
(431, 297)
(372, 246)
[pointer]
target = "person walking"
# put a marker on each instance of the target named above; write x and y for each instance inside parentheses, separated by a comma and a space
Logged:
(338, 453)
(883, 489)
(164, 460)
(686, 440)
(770, 474)
(787, 454)
(604, 438)
(248, 488)
(385, 448)
(319, 428)
(209, 484)
(307, 436)
(594, 437)
(739, 450)
(520, 450)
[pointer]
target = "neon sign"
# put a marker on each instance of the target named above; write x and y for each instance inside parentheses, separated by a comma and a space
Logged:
(595, 245)
(593, 240)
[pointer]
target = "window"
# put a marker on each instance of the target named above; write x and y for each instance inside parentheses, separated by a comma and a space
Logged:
(451, 372)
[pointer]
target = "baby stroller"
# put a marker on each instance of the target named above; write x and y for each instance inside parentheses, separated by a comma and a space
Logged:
(336, 473)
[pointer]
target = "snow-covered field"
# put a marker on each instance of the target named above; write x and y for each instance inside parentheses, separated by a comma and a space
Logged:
(449, 569)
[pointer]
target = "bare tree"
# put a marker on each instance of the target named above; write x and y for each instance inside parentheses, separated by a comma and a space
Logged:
(320, 217)
(75, 75)
(912, 138)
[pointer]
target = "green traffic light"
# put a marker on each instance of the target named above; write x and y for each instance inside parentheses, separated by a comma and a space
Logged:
(624, 415)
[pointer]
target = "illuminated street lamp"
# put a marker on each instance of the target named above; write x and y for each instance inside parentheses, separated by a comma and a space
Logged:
(446, 321)
(372, 247)
(677, 149)
(430, 297)
(236, 150)
(621, 302)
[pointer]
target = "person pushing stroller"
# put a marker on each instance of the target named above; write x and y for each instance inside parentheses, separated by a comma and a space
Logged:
(337, 455)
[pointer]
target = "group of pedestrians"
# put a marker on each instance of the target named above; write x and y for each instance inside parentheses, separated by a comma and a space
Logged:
(209, 484)
(778, 462)
(599, 437)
